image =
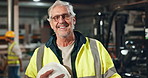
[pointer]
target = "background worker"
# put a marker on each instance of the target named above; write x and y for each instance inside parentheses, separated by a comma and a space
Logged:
(71, 48)
(14, 56)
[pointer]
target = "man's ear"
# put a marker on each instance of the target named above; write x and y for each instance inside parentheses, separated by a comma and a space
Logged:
(74, 20)
(50, 24)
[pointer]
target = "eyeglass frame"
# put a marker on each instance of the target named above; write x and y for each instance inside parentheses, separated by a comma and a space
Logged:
(65, 16)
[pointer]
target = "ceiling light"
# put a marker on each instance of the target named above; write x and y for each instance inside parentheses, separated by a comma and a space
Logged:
(36, 0)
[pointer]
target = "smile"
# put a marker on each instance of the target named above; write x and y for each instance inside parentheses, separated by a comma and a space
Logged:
(62, 27)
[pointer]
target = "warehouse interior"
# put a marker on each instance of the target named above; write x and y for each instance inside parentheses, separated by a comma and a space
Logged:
(121, 26)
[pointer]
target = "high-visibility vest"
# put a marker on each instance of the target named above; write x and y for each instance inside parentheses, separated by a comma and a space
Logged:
(92, 61)
(12, 57)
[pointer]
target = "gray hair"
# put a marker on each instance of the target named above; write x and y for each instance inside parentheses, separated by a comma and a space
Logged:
(63, 3)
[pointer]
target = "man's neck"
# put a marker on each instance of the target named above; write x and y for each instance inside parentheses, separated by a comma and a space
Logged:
(65, 41)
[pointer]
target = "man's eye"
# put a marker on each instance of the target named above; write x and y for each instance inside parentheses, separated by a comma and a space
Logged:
(55, 17)
(66, 15)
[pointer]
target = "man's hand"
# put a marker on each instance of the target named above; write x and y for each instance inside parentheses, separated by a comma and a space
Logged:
(45, 75)
(21, 69)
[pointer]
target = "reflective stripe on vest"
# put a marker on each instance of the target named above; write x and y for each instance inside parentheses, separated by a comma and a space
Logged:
(95, 54)
(40, 57)
(12, 57)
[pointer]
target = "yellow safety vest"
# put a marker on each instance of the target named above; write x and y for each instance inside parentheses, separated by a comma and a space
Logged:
(87, 64)
(12, 57)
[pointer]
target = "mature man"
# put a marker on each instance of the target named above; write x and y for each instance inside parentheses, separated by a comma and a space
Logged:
(84, 56)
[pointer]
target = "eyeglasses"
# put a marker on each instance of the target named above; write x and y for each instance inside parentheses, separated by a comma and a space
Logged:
(64, 16)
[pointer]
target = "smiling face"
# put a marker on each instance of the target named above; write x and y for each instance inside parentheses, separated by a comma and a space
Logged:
(62, 22)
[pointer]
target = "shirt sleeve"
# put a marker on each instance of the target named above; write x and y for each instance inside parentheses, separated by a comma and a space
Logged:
(16, 49)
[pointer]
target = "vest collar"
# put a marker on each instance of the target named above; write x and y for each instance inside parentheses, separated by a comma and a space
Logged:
(79, 39)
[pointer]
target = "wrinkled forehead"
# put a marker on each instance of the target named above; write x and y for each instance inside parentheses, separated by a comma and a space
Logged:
(59, 9)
